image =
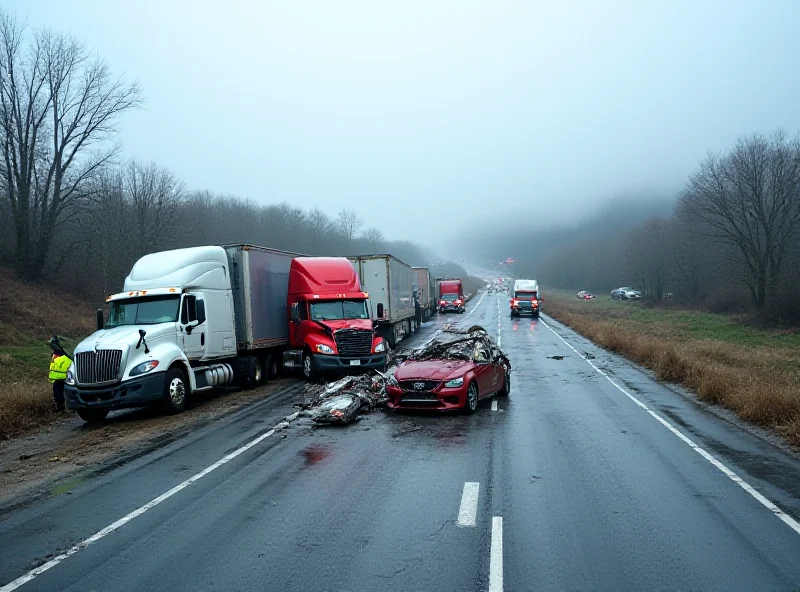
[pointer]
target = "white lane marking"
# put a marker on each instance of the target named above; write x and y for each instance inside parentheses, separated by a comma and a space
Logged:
(477, 304)
(499, 325)
(496, 556)
(494, 404)
(791, 522)
(468, 511)
(139, 511)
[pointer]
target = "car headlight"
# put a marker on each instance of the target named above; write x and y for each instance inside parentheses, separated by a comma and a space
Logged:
(381, 347)
(455, 383)
(144, 367)
(324, 349)
(70, 379)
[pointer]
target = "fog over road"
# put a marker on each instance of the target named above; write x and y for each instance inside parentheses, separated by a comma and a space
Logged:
(569, 483)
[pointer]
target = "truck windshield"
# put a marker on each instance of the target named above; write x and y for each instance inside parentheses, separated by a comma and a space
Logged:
(331, 310)
(144, 311)
(524, 295)
(449, 297)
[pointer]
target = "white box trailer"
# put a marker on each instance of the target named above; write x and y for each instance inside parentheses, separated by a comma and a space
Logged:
(390, 285)
(425, 291)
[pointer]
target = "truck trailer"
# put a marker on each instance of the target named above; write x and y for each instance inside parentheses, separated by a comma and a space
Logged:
(193, 319)
(390, 285)
(424, 288)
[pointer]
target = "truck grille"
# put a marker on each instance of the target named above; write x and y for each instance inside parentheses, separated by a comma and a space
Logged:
(419, 386)
(98, 367)
(353, 342)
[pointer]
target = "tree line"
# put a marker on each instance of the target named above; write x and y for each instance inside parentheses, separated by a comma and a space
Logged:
(72, 214)
(730, 244)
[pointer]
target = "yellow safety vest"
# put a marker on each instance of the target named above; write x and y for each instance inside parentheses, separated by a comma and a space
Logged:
(59, 367)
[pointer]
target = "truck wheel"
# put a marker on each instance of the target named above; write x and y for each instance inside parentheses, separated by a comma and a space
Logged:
(92, 415)
(175, 391)
(258, 376)
(536, 315)
(271, 367)
(309, 367)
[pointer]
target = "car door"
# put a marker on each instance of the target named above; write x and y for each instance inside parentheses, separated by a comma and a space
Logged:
(483, 370)
(194, 338)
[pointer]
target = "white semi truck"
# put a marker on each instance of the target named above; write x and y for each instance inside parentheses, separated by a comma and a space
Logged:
(187, 320)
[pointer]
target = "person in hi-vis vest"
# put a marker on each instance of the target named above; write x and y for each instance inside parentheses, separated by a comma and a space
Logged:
(59, 365)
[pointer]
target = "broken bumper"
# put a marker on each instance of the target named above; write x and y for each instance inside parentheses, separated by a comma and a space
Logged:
(135, 392)
(446, 399)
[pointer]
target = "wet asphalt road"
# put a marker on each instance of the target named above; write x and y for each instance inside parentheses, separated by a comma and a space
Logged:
(578, 488)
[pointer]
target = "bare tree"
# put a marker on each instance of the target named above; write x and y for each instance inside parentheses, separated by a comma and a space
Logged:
(58, 107)
(349, 224)
(155, 195)
(750, 198)
(374, 238)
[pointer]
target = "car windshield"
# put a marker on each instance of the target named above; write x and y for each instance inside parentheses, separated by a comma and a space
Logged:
(144, 311)
(330, 310)
(449, 297)
(524, 295)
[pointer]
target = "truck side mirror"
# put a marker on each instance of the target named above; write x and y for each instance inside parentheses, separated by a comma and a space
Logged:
(295, 312)
(190, 326)
(380, 310)
(100, 320)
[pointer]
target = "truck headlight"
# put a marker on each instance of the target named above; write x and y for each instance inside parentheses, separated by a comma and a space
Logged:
(455, 383)
(144, 367)
(381, 347)
(324, 349)
(70, 379)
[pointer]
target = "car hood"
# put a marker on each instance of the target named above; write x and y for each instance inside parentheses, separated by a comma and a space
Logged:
(433, 369)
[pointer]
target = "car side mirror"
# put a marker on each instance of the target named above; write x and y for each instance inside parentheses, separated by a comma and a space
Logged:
(100, 320)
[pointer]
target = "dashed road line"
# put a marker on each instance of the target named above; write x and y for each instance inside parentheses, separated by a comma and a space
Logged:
(494, 404)
(468, 512)
(20, 581)
(788, 520)
(496, 556)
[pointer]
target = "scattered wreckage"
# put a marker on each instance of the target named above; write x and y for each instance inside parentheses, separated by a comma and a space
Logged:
(345, 400)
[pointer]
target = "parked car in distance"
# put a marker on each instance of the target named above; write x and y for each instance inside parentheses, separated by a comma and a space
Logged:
(626, 294)
(584, 296)
(455, 379)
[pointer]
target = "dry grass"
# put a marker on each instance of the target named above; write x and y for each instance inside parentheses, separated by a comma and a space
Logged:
(753, 372)
(29, 313)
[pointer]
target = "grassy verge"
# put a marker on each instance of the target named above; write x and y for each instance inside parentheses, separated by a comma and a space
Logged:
(754, 372)
(29, 313)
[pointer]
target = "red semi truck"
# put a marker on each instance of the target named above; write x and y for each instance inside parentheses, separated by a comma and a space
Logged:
(451, 296)
(331, 327)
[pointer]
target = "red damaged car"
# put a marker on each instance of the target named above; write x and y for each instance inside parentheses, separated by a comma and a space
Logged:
(451, 375)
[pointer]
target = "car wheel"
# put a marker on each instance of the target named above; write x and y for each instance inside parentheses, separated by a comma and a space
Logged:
(175, 390)
(92, 415)
(506, 388)
(471, 404)
(309, 367)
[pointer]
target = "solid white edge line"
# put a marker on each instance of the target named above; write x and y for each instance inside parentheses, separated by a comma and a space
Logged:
(468, 511)
(791, 522)
(496, 556)
(139, 511)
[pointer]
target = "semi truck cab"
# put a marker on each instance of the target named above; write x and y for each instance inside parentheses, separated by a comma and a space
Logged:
(330, 322)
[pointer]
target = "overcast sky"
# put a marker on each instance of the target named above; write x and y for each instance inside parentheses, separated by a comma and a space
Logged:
(467, 110)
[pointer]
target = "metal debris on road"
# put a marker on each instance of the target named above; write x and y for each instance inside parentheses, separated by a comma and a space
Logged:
(343, 401)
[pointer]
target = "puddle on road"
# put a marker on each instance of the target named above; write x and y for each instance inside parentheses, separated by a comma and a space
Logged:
(315, 454)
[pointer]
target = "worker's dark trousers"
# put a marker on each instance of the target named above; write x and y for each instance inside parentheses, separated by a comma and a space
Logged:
(58, 394)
